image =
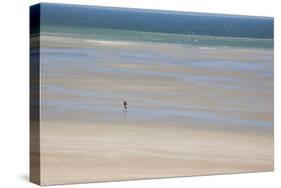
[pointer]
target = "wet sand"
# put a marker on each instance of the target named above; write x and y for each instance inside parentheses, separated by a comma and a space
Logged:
(192, 110)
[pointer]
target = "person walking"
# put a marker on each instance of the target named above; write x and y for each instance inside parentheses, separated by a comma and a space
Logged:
(125, 106)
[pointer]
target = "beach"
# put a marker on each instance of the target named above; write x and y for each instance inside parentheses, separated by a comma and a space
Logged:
(192, 110)
(74, 153)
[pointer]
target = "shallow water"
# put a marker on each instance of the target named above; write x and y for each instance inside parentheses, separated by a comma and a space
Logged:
(163, 83)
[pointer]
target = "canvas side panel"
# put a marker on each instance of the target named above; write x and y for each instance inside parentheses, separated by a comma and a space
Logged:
(35, 93)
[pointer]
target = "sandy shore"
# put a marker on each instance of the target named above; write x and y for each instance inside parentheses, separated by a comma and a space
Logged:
(192, 110)
(86, 153)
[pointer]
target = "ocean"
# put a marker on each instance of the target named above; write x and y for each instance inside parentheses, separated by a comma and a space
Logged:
(103, 23)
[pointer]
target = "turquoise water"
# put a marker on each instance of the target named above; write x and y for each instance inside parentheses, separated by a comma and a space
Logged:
(157, 21)
(122, 24)
(127, 35)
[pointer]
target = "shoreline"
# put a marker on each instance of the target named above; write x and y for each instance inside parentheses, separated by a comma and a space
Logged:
(87, 39)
